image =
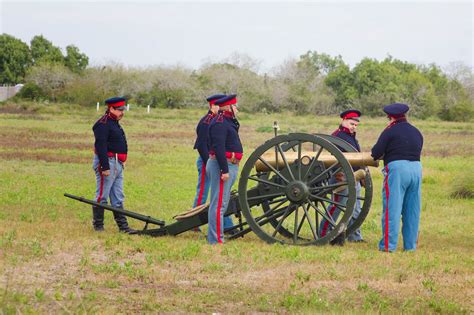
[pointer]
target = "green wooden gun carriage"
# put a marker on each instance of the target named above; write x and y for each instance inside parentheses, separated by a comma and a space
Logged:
(286, 191)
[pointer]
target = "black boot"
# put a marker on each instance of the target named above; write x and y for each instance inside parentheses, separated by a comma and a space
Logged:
(339, 240)
(123, 224)
(98, 218)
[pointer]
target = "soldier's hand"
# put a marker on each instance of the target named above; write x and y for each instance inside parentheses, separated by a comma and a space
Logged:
(106, 173)
(225, 177)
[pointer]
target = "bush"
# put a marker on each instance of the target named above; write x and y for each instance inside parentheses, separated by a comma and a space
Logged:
(463, 111)
(31, 91)
(51, 78)
(463, 187)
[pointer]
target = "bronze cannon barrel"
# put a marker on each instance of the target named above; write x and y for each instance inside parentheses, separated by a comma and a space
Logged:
(354, 158)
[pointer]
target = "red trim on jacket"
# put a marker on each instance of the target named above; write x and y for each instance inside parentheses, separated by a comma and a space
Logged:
(396, 121)
(342, 129)
(228, 114)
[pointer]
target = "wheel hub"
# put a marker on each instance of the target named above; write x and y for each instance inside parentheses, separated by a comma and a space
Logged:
(297, 191)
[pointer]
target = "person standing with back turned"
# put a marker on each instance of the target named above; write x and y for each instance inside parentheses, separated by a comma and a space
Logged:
(400, 146)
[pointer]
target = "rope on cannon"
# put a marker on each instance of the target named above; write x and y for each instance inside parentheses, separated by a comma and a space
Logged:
(191, 212)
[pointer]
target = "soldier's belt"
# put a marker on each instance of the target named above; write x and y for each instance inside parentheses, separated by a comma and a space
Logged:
(122, 157)
(235, 161)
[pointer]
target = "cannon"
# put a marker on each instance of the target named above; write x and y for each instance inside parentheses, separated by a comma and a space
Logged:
(289, 187)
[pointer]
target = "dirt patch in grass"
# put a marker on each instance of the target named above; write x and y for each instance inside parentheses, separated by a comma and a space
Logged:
(19, 110)
(23, 143)
(169, 286)
(178, 134)
(47, 157)
(447, 150)
(38, 133)
(79, 273)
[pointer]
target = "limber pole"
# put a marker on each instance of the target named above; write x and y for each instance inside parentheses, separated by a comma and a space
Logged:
(148, 109)
(97, 106)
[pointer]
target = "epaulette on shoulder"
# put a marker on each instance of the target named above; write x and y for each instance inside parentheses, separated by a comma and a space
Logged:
(390, 126)
(220, 118)
(208, 119)
(103, 119)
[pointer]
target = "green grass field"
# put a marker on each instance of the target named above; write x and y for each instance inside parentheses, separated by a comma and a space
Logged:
(53, 262)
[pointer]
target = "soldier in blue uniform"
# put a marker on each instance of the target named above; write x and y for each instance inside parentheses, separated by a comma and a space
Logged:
(400, 146)
(347, 132)
(109, 160)
(202, 146)
(223, 164)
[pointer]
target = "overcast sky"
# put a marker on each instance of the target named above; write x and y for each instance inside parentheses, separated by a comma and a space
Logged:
(193, 32)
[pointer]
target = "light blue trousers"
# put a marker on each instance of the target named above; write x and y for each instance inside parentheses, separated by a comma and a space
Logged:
(202, 190)
(109, 186)
(220, 195)
(334, 211)
(401, 197)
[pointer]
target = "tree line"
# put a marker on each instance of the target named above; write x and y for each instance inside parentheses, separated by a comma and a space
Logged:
(314, 83)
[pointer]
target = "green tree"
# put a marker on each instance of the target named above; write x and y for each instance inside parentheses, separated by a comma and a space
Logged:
(15, 58)
(43, 50)
(402, 66)
(75, 60)
(341, 82)
(320, 63)
(418, 92)
(457, 105)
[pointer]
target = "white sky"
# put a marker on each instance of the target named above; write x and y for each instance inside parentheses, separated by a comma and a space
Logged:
(145, 33)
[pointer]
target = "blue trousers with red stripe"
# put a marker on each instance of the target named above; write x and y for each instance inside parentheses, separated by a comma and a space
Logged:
(220, 196)
(202, 190)
(109, 186)
(326, 227)
(401, 197)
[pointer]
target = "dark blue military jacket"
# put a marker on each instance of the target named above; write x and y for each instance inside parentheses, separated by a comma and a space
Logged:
(350, 138)
(346, 135)
(399, 141)
(109, 137)
(202, 139)
(224, 137)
